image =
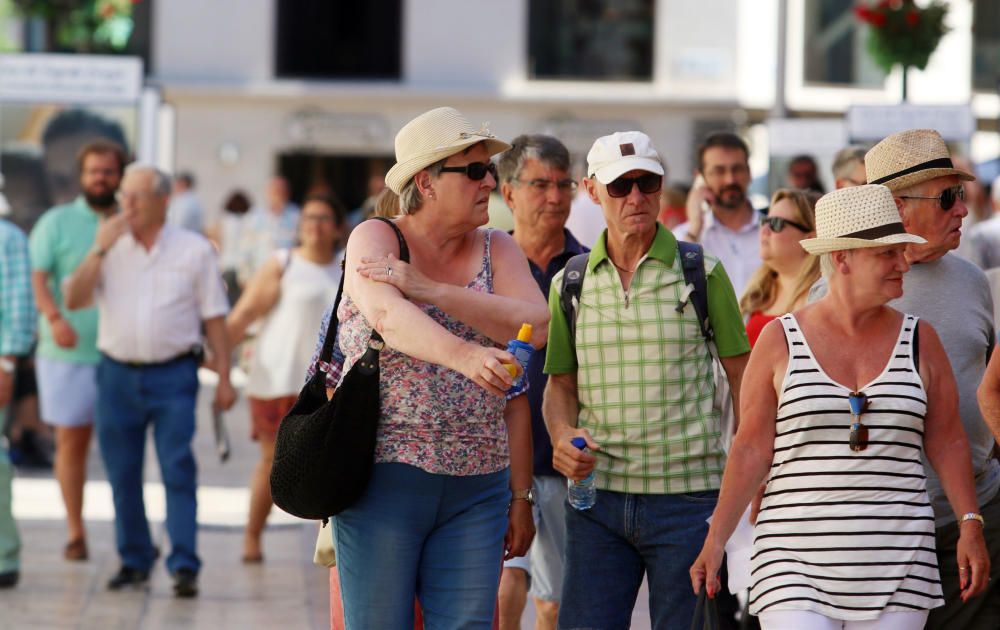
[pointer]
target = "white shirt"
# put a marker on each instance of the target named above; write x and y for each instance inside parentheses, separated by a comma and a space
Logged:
(738, 250)
(151, 304)
(185, 212)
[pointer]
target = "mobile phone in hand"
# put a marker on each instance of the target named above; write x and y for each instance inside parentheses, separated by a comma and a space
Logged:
(221, 434)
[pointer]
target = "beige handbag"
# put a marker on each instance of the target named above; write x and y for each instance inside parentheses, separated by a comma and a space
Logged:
(325, 556)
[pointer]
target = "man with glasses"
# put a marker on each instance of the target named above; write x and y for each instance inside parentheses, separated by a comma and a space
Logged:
(630, 372)
(953, 295)
(537, 187)
(719, 215)
(66, 358)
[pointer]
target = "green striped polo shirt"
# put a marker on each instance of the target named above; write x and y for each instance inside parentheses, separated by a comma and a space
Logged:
(644, 373)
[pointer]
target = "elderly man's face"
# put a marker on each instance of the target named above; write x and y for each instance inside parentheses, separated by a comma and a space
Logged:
(631, 215)
(924, 216)
(143, 208)
(540, 198)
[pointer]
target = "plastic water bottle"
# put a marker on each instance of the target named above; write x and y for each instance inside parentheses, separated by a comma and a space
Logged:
(522, 349)
(583, 493)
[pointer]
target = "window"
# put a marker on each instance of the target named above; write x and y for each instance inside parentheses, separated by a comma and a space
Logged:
(320, 39)
(986, 46)
(609, 40)
(123, 28)
(835, 46)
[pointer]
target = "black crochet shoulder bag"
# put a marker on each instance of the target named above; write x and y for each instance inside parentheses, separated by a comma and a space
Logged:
(325, 449)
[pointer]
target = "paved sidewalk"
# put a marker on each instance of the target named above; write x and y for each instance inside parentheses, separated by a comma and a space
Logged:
(287, 591)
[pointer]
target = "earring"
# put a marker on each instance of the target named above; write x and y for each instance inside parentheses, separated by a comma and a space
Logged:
(431, 195)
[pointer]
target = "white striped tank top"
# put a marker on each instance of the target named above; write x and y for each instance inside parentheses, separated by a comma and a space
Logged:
(842, 533)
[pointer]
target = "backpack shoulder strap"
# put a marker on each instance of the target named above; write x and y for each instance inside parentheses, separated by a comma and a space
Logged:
(693, 263)
(572, 286)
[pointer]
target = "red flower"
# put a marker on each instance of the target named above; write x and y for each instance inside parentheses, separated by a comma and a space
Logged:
(878, 20)
(913, 18)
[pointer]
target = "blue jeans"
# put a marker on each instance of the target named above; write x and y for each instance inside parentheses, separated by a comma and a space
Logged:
(10, 542)
(129, 400)
(610, 546)
(438, 537)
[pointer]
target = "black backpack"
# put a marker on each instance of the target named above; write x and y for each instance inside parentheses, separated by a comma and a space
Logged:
(692, 262)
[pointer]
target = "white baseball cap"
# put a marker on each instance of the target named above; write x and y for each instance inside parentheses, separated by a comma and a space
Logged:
(621, 152)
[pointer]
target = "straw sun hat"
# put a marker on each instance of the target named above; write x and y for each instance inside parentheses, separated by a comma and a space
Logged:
(910, 157)
(856, 217)
(434, 136)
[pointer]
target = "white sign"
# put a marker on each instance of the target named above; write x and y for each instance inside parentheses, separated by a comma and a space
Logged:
(78, 79)
(955, 123)
(787, 137)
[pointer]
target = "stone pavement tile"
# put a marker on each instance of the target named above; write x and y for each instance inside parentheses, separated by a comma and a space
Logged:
(286, 591)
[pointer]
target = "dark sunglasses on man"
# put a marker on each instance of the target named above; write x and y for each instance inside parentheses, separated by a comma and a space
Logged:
(648, 184)
(474, 170)
(947, 197)
(777, 224)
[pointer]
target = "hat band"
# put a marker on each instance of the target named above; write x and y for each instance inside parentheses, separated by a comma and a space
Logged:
(877, 232)
(923, 166)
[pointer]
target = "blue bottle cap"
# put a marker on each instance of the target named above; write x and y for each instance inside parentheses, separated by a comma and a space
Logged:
(579, 442)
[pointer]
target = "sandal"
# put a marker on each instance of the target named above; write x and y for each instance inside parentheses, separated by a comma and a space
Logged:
(76, 550)
(252, 559)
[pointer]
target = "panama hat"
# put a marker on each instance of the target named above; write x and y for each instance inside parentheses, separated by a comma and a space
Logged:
(910, 157)
(856, 217)
(434, 136)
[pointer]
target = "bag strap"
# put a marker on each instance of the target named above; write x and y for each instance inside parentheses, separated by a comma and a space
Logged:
(572, 287)
(375, 342)
(693, 264)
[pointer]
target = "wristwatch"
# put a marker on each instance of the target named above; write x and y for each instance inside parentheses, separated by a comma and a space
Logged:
(524, 495)
(972, 516)
(7, 365)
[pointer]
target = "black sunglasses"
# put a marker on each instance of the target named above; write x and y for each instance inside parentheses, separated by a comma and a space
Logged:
(648, 184)
(777, 224)
(473, 170)
(947, 197)
(858, 439)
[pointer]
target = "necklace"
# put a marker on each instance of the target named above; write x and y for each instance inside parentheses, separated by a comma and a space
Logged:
(620, 268)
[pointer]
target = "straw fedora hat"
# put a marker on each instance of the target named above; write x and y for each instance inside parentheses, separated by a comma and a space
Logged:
(910, 157)
(856, 217)
(434, 136)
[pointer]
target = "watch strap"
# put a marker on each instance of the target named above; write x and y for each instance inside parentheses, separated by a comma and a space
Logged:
(972, 516)
(524, 495)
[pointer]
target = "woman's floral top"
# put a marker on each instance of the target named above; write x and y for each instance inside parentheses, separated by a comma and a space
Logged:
(432, 417)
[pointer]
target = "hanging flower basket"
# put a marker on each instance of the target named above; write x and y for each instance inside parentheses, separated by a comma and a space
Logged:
(902, 33)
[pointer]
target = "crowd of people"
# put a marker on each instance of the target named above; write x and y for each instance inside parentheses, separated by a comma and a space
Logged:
(858, 439)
